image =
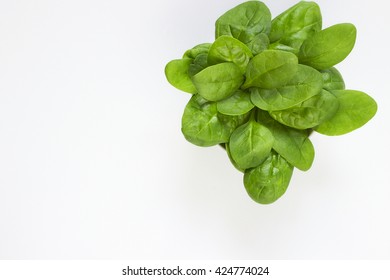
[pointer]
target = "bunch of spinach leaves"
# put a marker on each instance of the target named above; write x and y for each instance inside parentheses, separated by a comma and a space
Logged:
(264, 86)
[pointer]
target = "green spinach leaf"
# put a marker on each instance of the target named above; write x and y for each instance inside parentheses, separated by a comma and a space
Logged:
(259, 43)
(268, 181)
(250, 144)
(309, 113)
(271, 69)
(228, 49)
(244, 22)
(292, 144)
(305, 83)
(355, 110)
(203, 126)
(296, 24)
(237, 104)
(197, 50)
(328, 47)
(198, 64)
(332, 79)
(176, 72)
(218, 81)
(227, 148)
(232, 122)
(281, 47)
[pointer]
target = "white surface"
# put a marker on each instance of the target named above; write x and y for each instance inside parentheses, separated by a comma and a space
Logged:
(93, 163)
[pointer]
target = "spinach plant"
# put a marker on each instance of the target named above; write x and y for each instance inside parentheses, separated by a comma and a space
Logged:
(263, 86)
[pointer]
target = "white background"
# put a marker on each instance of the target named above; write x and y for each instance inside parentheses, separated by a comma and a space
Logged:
(93, 164)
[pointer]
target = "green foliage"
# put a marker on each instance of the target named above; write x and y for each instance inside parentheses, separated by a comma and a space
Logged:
(228, 49)
(263, 86)
(197, 50)
(332, 79)
(292, 27)
(198, 64)
(355, 109)
(268, 181)
(305, 83)
(328, 47)
(250, 144)
(177, 75)
(259, 43)
(292, 144)
(237, 104)
(218, 81)
(245, 22)
(202, 125)
(309, 113)
(270, 69)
